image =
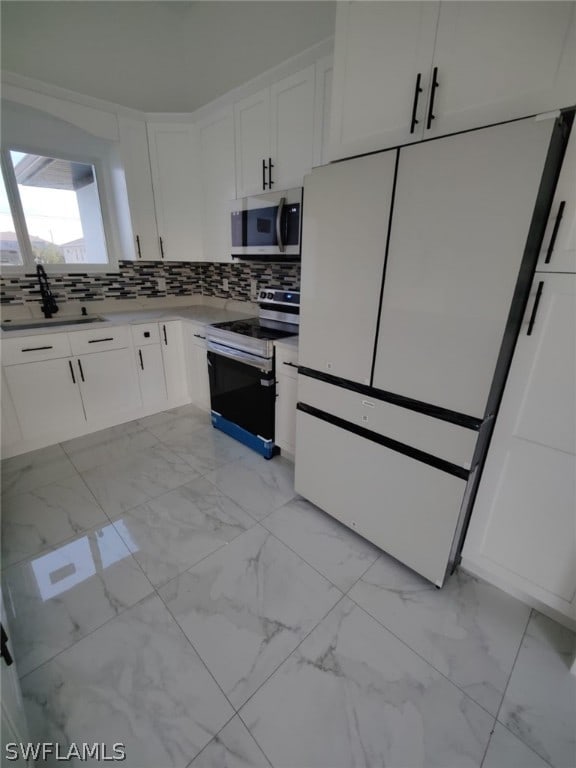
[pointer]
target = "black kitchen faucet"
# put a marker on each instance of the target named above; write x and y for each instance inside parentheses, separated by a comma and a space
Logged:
(49, 306)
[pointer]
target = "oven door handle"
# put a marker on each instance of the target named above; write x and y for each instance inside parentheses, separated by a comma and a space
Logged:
(262, 363)
(279, 212)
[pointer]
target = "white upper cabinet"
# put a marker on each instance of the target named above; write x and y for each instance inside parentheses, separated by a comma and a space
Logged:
(252, 119)
(292, 129)
(175, 162)
(462, 212)
(480, 63)
(216, 136)
(380, 51)
(558, 252)
(134, 152)
(322, 107)
(275, 135)
(344, 241)
(501, 60)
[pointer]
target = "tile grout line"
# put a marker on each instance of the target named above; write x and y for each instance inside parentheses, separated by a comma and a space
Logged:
(530, 616)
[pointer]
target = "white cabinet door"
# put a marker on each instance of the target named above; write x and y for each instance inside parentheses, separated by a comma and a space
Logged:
(498, 61)
(175, 162)
(344, 240)
(286, 398)
(136, 161)
(322, 108)
(252, 127)
(46, 397)
(406, 507)
(524, 518)
(462, 212)
(216, 136)
(379, 51)
(109, 385)
(151, 376)
(173, 354)
(11, 432)
(199, 383)
(292, 129)
(558, 252)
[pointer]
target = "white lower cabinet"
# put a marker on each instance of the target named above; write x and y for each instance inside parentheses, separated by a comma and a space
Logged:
(173, 356)
(406, 507)
(151, 376)
(198, 369)
(109, 384)
(286, 398)
(46, 397)
(521, 532)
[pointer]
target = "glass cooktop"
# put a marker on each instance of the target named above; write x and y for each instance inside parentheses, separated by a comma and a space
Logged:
(256, 328)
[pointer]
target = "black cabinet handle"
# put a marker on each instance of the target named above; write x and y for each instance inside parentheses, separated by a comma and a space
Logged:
(270, 166)
(138, 247)
(81, 371)
(97, 341)
(555, 232)
(141, 361)
(161, 247)
(199, 336)
(35, 349)
(417, 91)
(4, 652)
(72, 371)
(435, 84)
(292, 365)
(165, 336)
(263, 173)
(535, 308)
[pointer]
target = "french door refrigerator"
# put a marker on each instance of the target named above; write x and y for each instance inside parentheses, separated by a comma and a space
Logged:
(415, 271)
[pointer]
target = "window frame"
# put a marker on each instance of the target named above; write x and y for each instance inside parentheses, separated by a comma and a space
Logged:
(28, 265)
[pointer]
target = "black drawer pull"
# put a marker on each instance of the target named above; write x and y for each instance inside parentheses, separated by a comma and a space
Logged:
(270, 166)
(555, 232)
(414, 122)
(72, 371)
(141, 361)
(435, 84)
(292, 365)
(97, 341)
(263, 173)
(535, 308)
(35, 349)
(199, 336)
(81, 371)
(138, 246)
(165, 335)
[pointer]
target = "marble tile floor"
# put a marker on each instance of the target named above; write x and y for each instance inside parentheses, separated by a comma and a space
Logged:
(166, 588)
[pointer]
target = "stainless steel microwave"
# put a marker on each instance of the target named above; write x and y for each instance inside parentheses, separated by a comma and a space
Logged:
(267, 227)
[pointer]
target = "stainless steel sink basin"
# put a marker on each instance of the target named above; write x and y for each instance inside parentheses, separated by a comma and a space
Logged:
(23, 325)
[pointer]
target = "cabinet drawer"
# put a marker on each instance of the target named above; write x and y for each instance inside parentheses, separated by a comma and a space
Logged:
(84, 342)
(145, 333)
(402, 505)
(287, 361)
(442, 439)
(30, 349)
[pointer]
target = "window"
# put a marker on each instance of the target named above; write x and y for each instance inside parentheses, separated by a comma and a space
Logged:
(50, 212)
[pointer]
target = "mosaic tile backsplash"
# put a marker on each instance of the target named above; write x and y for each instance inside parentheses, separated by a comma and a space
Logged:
(140, 280)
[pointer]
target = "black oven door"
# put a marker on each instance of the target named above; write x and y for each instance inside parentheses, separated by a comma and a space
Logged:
(242, 396)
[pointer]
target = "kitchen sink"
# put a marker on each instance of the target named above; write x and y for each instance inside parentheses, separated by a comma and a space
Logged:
(23, 325)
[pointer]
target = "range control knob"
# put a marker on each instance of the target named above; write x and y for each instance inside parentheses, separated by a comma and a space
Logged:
(270, 295)
(262, 294)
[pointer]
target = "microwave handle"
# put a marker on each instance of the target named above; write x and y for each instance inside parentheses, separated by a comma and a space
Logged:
(279, 212)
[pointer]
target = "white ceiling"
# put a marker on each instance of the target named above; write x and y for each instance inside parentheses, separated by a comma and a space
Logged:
(157, 56)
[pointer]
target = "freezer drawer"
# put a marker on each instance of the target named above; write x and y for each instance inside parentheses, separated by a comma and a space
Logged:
(448, 441)
(404, 506)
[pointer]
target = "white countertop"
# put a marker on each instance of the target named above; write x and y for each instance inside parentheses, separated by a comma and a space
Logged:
(197, 313)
